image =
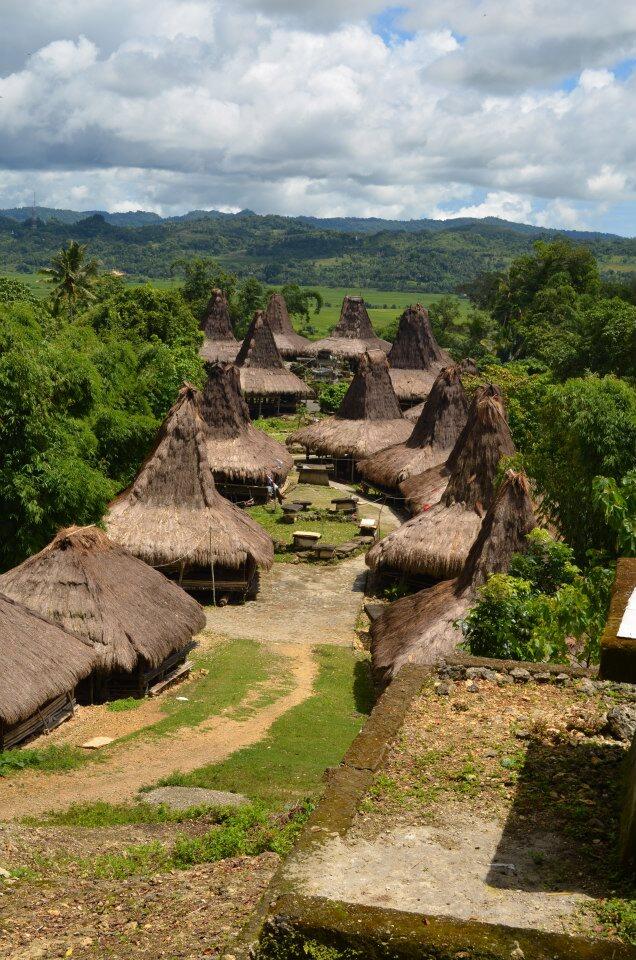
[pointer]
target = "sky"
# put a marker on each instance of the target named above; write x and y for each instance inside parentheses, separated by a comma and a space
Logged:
(524, 110)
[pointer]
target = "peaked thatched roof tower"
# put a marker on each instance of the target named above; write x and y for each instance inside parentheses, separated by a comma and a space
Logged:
(420, 628)
(262, 371)
(290, 344)
(172, 515)
(422, 490)
(435, 543)
(353, 334)
(369, 417)
(95, 589)
(237, 451)
(415, 358)
(432, 440)
(220, 342)
(40, 662)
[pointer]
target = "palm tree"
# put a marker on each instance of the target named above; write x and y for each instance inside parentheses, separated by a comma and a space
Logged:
(72, 276)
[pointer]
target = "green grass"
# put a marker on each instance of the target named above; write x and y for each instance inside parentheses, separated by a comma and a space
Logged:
(232, 670)
(246, 832)
(290, 762)
(121, 706)
(332, 531)
(280, 427)
(618, 917)
(48, 759)
(102, 814)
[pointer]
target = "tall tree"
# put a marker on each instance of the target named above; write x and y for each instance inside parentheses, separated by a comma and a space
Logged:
(72, 277)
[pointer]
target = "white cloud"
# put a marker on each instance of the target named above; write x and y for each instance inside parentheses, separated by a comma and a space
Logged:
(302, 108)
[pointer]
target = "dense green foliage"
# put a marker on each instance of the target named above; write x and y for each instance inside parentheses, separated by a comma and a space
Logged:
(80, 402)
(331, 395)
(434, 256)
(545, 609)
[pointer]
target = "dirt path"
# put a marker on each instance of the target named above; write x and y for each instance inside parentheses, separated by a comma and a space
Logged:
(128, 768)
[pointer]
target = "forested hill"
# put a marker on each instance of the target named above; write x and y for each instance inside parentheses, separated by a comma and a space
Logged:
(431, 255)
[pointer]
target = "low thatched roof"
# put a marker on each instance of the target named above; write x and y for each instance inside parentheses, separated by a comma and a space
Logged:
(95, 589)
(434, 435)
(237, 451)
(369, 417)
(414, 413)
(40, 661)
(220, 342)
(415, 358)
(420, 628)
(353, 334)
(261, 367)
(435, 543)
(290, 344)
(173, 515)
(422, 490)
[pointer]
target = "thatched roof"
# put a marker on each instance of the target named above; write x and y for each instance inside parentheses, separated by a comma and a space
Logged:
(261, 366)
(434, 435)
(414, 413)
(172, 513)
(353, 334)
(420, 628)
(220, 342)
(237, 451)
(40, 661)
(369, 417)
(289, 343)
(424, 489)
(415, 358)
(435, 543)
(95, 589)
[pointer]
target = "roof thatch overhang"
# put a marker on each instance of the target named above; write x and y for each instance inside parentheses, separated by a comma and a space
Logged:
(436, 542)
(237, 451)
(422, 627)
(172, 512)
(98, 591)
(40, 661)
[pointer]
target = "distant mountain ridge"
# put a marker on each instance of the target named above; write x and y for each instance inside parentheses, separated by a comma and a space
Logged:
(419, 255)
(366, 225)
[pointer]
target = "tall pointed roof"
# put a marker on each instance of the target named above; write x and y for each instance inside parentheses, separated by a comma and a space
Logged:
(172, 512)
(435, 543)
(433, 437)
(422, 627)
(261, 366)
(220, 342)
(259, 347)
(237, 451)
(415, 346)
(368, 419)
(95, 589)
(289, 343)
(353, 335)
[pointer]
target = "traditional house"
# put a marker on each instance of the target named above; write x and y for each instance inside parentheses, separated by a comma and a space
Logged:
(369, 418)
(353, 335)
(289, 343)
(244, 461)
(41, 666)
(139, 623)
(173, 517)
(415, 358)
(220, 342)
(442, 420)
(422, 490)
(423, 627)
(435, 543)
(267, 385)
